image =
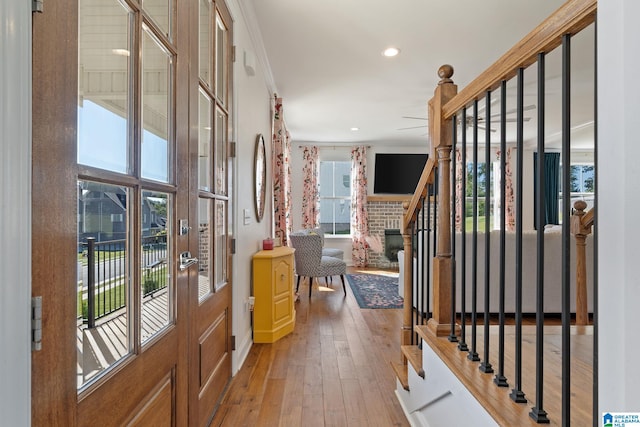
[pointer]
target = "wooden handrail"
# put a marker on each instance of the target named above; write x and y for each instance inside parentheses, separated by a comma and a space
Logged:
(587, 219)
(570, 18)
(426, 178)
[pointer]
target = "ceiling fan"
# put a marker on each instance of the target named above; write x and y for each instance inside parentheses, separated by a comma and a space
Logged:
(469, 118)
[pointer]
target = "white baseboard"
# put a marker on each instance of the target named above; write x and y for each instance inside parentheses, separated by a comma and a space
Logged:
(413, 422)
(241, 352)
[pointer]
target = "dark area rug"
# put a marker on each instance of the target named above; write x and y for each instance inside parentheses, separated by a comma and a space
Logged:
(375, 291)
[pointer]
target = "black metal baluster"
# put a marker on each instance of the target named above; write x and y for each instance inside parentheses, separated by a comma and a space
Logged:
(454, 192)
(424, 259)
(537, 412)
(500, 379)
(413, 288)
(473, 355)
(517, 395)
(109, 285)
(415, 298)
(485, 366)
(428, 250)
(101, 282)
(566, 218)
(462, 345)
(91, 279)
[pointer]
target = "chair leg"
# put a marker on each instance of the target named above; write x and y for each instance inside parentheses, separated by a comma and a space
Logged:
(310, 286)
(343, 286)
(298, 285)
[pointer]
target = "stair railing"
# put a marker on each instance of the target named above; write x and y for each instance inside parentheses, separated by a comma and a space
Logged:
(444, 108)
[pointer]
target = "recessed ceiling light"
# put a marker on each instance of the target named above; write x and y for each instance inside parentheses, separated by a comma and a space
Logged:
(391, 51)
(355, 129)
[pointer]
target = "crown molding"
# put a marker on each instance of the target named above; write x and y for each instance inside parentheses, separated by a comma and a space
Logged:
(249, 15)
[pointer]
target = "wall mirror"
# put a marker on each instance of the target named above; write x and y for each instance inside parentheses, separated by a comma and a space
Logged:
(260, 176)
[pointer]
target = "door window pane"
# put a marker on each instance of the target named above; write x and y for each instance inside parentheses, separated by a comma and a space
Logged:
(156, 72)
(221, 63)
(155, 273)
(103, 98)
(204, 143)
(204, 255)
(220, 249)
(160, 12)
(205, 41)
(103, 288)
(221, 153)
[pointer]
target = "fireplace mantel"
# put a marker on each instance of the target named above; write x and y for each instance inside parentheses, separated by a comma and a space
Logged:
(389, 197)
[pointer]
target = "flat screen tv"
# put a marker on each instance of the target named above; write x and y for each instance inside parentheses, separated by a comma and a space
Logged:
(397, 173)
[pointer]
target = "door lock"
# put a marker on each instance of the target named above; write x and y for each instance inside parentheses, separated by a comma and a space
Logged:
(186, 260)
(183, 227)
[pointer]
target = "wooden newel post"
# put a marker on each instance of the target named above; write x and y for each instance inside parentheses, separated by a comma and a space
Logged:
(441, 134)
(407, 312)
(581, 231)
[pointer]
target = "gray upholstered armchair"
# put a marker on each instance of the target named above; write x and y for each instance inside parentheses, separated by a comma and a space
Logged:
(332, 252)
(310, 262)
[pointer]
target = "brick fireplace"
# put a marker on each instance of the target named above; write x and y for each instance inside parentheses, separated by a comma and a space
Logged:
(385, 213)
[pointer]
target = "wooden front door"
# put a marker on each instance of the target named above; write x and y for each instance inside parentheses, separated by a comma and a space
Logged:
(117, 215)
(211, 346)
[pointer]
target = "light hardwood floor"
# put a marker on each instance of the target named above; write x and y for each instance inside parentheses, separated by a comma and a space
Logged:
(333, 370)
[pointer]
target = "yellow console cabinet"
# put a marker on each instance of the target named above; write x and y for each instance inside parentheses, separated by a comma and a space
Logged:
(274, 315)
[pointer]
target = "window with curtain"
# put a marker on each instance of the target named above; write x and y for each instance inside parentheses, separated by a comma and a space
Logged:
(335, 197)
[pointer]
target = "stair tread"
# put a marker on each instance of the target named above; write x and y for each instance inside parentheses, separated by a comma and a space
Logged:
(496, 400)
(402, 374)
(413, 353)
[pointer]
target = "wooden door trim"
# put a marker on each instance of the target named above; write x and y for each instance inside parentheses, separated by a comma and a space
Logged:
(54, 115)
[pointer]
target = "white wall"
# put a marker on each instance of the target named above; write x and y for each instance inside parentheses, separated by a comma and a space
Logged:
(252, 107)
(618, 204)
(15, 212)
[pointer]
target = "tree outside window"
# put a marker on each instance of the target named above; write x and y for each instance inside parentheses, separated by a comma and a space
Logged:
(582, 182)
(482, 189)
(335, 197)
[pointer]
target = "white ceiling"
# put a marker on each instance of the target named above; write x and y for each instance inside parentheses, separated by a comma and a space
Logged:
(326, 63)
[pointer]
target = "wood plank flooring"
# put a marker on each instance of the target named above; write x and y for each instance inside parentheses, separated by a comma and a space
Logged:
(333, 370)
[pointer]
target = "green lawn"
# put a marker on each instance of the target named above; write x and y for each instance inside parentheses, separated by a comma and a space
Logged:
(100, 255)
(106, 302)
(115, 297)
(469, 224)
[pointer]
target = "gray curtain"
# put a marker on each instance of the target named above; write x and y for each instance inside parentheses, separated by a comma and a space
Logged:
(551, 166)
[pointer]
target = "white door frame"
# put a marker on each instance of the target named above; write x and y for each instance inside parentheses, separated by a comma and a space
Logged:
(15, 212)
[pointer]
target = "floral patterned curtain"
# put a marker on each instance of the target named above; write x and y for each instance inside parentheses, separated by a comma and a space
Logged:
(509, 203)
(359, 218)
(460, 205)
(281, 175)
(310, 193)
